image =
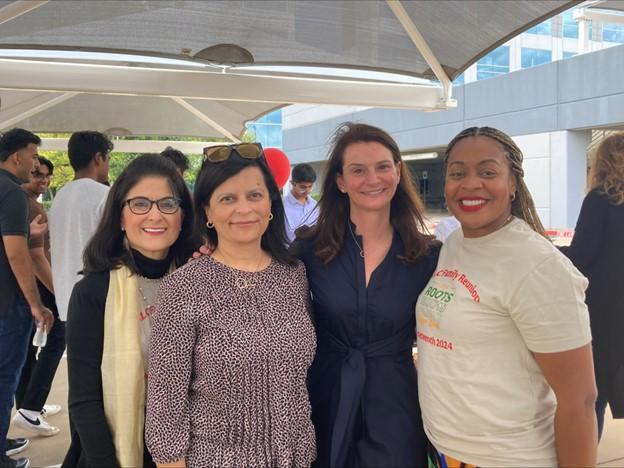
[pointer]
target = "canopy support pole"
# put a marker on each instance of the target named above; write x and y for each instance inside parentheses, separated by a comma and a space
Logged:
(18, 8)
(204, 118)
(419, 41)
(35, 110)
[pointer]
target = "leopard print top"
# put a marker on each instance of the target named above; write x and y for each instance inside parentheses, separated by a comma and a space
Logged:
(228, 367)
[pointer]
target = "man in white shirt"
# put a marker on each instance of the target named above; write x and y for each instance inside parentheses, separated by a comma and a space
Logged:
(76, 210)
(299, 206)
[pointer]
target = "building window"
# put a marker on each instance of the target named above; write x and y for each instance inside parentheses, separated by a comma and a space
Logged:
(567, 55)
(268, 129)
(571, 27)
(543, 28)
(613, 33)
(459, 80)
(493, 64)
(533, 57)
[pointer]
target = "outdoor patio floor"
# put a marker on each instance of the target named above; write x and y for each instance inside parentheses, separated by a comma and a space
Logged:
(48, 451)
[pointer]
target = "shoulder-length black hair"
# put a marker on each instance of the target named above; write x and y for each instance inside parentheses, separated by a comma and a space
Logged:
(106, 251)
(212, 175)
(406, 207)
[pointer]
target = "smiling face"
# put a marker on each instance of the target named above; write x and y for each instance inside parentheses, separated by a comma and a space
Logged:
(152, 233)
(479, 185)
(369, 176)
(239, 208)
(39, 180)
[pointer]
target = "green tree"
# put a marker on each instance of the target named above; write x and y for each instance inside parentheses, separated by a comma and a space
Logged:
(63, 172)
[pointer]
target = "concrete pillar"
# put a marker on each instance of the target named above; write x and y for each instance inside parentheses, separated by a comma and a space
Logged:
(568, 175)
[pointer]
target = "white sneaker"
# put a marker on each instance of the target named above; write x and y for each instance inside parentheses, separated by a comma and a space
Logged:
(36, 426)
(50, 410)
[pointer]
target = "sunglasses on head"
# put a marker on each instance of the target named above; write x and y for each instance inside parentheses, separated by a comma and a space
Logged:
(220, 153)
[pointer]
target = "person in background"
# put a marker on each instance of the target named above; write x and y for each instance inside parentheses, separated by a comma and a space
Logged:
(299, 205)
(19, 301)
(39, 369)
(145, 232)
(232, 335)
(597, 250)
(505, 371)
(367, 260)
(76, 210)
(177, 157)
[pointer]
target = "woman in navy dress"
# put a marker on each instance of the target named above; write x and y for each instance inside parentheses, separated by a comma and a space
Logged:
(367, 260)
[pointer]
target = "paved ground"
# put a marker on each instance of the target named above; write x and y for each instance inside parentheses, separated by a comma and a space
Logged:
(46, 451)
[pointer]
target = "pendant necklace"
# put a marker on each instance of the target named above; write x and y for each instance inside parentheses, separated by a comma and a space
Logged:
(148, 291)
(355, 240)
(242, 278)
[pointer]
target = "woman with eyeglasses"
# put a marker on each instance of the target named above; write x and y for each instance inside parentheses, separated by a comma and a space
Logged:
(367, 259)
(145, 232)
(232, 337)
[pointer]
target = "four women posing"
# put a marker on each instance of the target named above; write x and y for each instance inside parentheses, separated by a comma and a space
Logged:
(501, 323)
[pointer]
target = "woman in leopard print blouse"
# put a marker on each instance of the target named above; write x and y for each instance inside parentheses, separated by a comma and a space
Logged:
(232, 338)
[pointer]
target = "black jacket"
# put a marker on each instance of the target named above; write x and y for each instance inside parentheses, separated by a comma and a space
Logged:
(597, 250)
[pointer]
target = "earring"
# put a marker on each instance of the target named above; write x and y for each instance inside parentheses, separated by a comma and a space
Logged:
(209, 225)
(270, 216)
(513, 196)
(123, 229)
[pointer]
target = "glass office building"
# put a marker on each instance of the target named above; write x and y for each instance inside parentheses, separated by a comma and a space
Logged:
(268, 129)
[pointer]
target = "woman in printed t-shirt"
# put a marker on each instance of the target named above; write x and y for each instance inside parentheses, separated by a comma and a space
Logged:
(505, 363)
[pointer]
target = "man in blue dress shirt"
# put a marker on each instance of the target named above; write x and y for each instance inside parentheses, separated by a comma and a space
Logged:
(299, 205)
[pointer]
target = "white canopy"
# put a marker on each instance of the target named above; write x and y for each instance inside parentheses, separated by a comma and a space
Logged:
(225, 62)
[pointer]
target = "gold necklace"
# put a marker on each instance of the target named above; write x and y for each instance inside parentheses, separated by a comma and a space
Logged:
(355, 240)
(507, 221)
(241, 278)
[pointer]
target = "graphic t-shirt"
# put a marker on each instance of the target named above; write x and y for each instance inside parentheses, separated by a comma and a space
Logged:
(491, 302)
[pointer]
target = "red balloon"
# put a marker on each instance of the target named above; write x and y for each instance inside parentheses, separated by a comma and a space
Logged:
(279, 164)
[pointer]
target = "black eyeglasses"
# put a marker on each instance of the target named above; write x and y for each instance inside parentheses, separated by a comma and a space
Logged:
(220, 153)
(142, 205)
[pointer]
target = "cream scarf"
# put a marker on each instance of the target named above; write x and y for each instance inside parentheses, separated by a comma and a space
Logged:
(123, 370)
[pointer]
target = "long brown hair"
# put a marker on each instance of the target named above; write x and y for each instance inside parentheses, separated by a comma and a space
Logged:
(606, 174)
(406, 207)
(522, 205)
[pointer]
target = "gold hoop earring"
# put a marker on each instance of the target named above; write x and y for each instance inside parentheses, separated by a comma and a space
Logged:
(513, 196)
(209, 225)
(270, 216)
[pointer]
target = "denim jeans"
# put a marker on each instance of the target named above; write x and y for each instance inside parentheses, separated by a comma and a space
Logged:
(15, 328)
(38, 371)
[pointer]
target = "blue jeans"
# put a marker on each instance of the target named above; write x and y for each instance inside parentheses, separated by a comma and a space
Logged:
(15, 328)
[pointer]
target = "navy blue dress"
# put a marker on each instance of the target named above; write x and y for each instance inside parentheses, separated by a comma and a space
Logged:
(362, 382)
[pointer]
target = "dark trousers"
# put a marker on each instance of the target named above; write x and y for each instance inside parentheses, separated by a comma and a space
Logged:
(601, 407)
(15, 329)
(38, 372)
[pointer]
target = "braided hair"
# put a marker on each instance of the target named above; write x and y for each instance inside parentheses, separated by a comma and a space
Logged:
(522, 205)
